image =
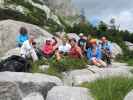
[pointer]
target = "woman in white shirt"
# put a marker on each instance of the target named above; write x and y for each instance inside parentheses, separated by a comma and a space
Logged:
(27, 49)
(65, 47)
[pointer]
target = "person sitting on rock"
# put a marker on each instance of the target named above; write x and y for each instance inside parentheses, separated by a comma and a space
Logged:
(49, 47)
(22, 37)
(82, 42)
(27, 49)
(94, 54)
(75, 51)
(65, 47)
(106, 48)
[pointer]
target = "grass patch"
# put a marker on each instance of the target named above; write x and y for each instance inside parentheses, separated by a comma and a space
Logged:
(129, 62)
(35, 66)
(126, 58)
(56, 68)
(54, 72)
(67, 64)
(114, 88)
(50, 71)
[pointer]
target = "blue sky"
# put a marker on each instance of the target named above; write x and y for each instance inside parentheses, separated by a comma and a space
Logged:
(121, 10)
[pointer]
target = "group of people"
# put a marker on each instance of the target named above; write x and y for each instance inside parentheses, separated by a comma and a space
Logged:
(98, 52)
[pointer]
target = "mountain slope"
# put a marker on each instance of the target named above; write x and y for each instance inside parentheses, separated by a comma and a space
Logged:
(38, 12)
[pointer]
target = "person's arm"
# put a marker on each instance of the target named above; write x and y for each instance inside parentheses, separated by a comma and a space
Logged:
(55, 41)
(89, 54)
(80, 52)
(85, 47)
(99, 54)
(78, 42)
(110, 47)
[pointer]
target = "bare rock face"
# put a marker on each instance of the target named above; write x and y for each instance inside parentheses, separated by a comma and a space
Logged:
(34, 96)
(27, 83)
(62, 7)
(129, 45)
(46, 13)
(92, 73)
(9, 29)
(116, 50)
(68, 93)
(129, 96)
(9, 91)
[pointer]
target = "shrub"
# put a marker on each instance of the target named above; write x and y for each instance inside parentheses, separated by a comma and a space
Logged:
(38, 1)
(35, 65)
(114, 88)
(33, 15)
(68, 63)
(53, 71)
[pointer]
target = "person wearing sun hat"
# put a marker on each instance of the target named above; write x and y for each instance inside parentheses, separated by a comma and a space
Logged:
(94, 54)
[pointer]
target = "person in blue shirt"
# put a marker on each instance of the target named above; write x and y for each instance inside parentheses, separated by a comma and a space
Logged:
(106, 48)
(22, 37)
(94, 54)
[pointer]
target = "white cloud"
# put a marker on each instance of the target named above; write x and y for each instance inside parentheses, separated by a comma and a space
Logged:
(124, 19)
(121, 10)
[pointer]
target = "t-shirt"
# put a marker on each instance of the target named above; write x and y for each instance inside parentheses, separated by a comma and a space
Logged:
(65, 48)
(22, 38)
(81, 42)
(26, 48)
(47, 49)
(107, 46)
(74, 52)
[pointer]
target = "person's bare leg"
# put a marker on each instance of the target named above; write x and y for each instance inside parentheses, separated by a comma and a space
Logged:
(94, 61)
(102, 63)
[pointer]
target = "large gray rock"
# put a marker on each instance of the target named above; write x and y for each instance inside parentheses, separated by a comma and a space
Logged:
(129, 96)
(116, 50)
(34, 96)
(68, 93)
(129, 45)
(47, 12)
(29, 83)
(9, 29)
(62, 7)
(73, 35)
(77, 77)
(15, 51)
(9, 91)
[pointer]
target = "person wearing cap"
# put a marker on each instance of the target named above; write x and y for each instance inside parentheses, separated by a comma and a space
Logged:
(94, 54)
(82, 43)
(106, 48)
(22, 37)
(27, 49)
(49, 47)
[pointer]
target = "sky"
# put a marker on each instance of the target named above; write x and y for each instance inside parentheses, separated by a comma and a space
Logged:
(121, 10)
